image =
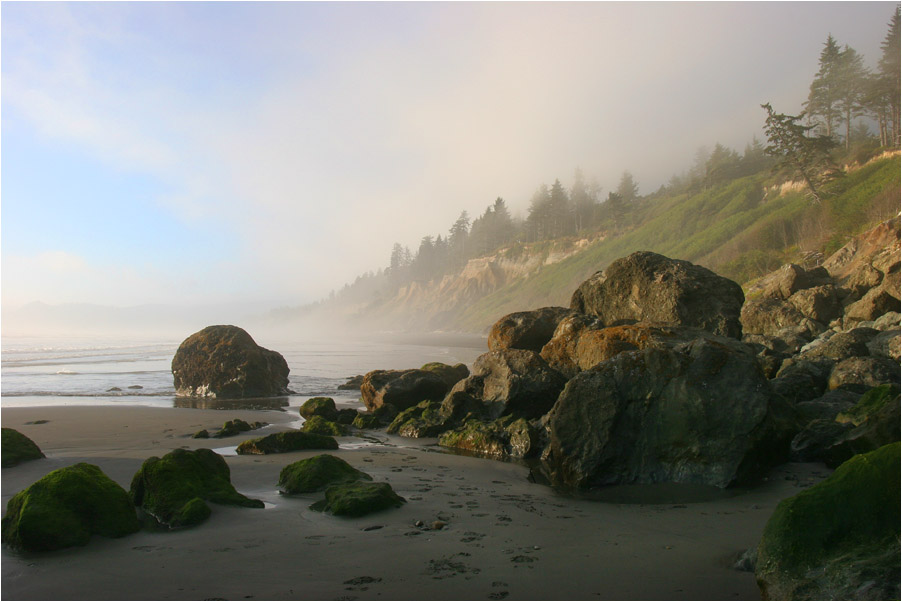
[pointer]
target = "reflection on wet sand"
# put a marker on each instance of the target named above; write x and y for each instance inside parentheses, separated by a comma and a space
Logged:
(212, 403)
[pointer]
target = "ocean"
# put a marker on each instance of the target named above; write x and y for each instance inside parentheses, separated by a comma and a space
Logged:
(45, 371)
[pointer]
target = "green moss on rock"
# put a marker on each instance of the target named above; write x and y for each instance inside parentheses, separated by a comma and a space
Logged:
(358, 499)
(319, 406)
(173, 489)
(233, 427)
(321, 426)
(65, 508)
(18, 448)
(870, 403)
(505, 437)
(450, 374)
(318, 473)
(287, 441)
(849, 519)
(422, 420)
(366, 421)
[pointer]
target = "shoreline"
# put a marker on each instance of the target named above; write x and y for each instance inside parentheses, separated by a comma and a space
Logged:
(505, 537)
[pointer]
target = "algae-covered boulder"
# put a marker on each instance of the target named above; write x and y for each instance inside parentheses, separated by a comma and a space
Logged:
(647, 287)
(174, 489)
(65, 508)
(838, 540)
(319, 406)
(18, 448)
(423, 420)
(318, 473)
(319, 425)
(225, 362)
(287, 441)
(450, 374)
(869, 404)
(507, 437)
(233, 427)
(358, 499)
(366, 421)
(401, 388)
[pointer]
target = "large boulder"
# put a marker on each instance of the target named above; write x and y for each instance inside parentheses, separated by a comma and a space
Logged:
(319, 406)
(506, 437)
(318, 473)
(510, 382)
(65, 508)
(174, 489)
(450, 374)
(17, 448)
(529, 330)
(401, 389)
(702, 414)
(862, 373)
(838, 540)
(286, 441)
(866, 260)
(647, 287)
(777, 317)
(786, 281)
(358, 499)
(225, 362)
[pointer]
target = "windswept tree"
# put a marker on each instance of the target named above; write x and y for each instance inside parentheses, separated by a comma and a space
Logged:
(803, 155)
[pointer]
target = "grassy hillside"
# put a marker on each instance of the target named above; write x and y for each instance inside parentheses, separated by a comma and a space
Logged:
(740, 230)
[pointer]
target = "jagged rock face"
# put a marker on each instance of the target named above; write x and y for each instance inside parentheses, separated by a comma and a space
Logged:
(838, 540)
(401, 388)
(788, 280)
(647, 287)
(864, 261)
(512, 382)
(225, 362)
(702, 414)
(529, 330)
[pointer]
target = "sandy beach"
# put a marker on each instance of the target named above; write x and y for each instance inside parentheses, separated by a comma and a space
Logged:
(504, 536)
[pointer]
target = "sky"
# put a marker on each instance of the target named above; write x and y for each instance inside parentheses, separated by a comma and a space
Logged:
(268, 153)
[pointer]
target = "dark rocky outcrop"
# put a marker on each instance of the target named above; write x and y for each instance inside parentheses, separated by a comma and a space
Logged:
(507, 437)
(647, 287)
(65, 508)
(838, 540)
(702, 414)
(319, 406)
(862, 373)
(423, 420)
(358, 499)
(321, 426)
(318, 473)
(353, 383)
(174, 489)
(450, 374)
(287, 441)
(225, 362)
(18, 448)
(529, 330)
(788, 280)
(401, 388)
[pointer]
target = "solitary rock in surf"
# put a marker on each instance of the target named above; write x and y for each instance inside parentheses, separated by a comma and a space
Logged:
(225, 362)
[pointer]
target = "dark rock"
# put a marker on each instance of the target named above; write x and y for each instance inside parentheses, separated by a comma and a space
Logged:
(366, 421)
(320, 426)
(507, 437)
(843, 345)
(174, 489)
(65, 508)
(869, 404)
(827, 406)
(319, 406)
(318, 473)
(401, 388)
(886, 344)
(862, 373)
(788, 280)
(353, 384)
(802, 379)
(785, 342)
(513, 381)
(647, 287)
(777, 316)
(225, 362)
(839, 539)
(358, 499)
(286, 441)
(813, 443)
(871, 306)
(819, 303)
(233, 427)
(529, 330)
(450, 374)
(702, 414)
(423, 420)
(201, 434)
(346, 416)
(18, 448)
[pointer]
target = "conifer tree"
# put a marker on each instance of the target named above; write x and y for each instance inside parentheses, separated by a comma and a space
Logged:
(628, 189)
(889, 69)
(851, 88)
(824, 93)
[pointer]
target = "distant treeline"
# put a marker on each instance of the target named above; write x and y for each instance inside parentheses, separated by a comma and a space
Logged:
(842, 93)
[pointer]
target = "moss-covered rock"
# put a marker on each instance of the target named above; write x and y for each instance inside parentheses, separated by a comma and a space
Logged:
(346, 416)
(233, 427)
(365, 421)
(286, 441)
(869, 404)
(201, 434)
(318, 473)
(65, 508)
(450, 374)
(358, 499)
(173, 489)
(319, 406)
(322, 426)
(18, 448)
(502, 438)
(423, 420)
(838, 540)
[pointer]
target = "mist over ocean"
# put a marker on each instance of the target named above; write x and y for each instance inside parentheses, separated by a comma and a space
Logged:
(44, 371)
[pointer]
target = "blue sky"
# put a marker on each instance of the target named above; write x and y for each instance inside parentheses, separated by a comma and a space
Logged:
(267, 153)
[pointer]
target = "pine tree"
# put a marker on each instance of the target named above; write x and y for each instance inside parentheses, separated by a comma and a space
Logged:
(559, 215)
(807, 157)
(583, 202)
(824, 93)
(889, 69)
(628, 189)
(851, 88)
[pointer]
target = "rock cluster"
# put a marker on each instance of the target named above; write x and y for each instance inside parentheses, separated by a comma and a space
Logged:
(225, 362)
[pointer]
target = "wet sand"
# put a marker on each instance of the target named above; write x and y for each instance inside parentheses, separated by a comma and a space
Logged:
(504, 537)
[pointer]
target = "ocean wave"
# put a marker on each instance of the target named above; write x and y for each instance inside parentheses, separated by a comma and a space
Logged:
(83, 394)
(67, 372)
